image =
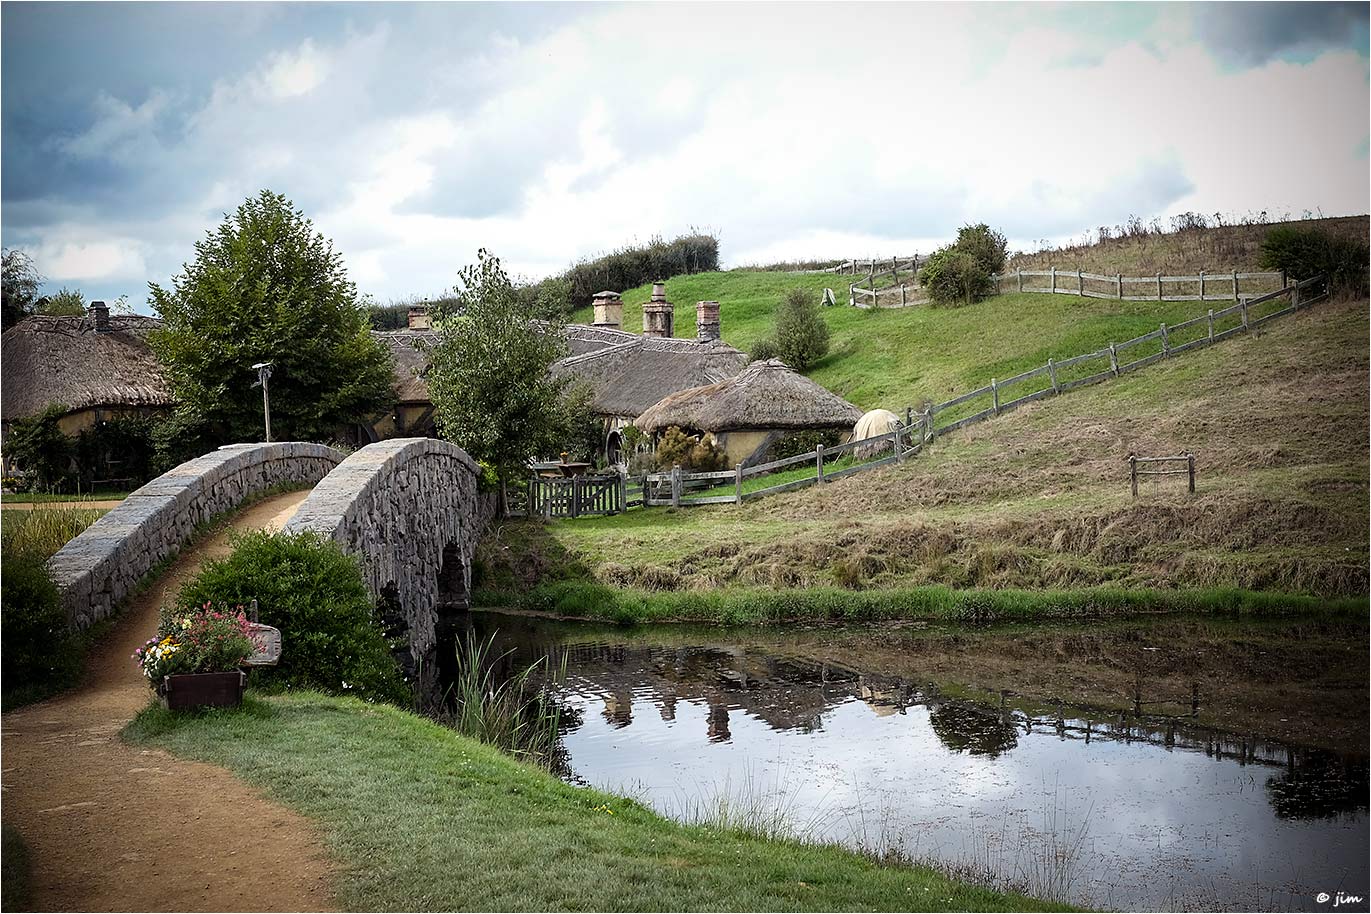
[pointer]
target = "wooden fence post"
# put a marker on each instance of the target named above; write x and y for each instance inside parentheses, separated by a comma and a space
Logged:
(1159, 286)
(1235, 284)
(1133, 473)
(1166, 342)
(928, 424)
(1190, 464)
(819, 461)
(1284, 281)
(1080, 284)
(547, 500)
(903, 300)
(1295, 297)
(623, 492)
(1118, 283)
(1018, 274)
(1242, 303)
(1201, 285)
(909, 417)
(676, 486)
(851, 295)
(1052, 373)
(1211, 324)
(1113, 360)
(1054, 280)
(895, 442)
(738, 484)
(995, 395)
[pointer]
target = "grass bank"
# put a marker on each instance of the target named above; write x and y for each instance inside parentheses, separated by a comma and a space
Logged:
(421, 819)
(760, 606)
(43, 498)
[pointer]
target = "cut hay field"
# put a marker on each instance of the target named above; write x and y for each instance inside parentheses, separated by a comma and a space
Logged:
(1039, 498)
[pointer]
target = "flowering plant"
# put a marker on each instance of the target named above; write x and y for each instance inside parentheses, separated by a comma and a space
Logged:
(206, 640)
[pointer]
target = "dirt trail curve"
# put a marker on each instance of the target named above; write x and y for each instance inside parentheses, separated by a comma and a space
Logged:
(111, 827)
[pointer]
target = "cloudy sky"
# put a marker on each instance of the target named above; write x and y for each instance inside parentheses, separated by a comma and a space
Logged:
(413, 134)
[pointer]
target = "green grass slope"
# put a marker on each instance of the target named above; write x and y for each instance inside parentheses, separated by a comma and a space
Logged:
(422, 819)
(893, 358)
(1039, 498)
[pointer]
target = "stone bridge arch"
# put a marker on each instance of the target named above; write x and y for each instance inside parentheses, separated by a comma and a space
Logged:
(408, 509)
(96, 570)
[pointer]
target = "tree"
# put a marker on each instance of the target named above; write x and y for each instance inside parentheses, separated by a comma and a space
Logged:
(19, 282)
(67, 303)
(39, 447)
(489, 376)
(801, 334)
(960, 273)
(266, 287)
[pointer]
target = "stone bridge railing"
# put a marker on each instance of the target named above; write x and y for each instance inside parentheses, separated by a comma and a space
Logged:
(97, 570)
(408, 509)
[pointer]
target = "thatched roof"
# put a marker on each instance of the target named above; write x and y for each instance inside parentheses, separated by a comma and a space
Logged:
(65, 360)
(766, 395)
(583, 338)
(629, 377)
(410, 362)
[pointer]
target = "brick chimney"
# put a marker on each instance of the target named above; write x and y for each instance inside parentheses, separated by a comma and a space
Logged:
(418, 318)
(609, 310)
(707, 321)
(99, 313)
(659, 314)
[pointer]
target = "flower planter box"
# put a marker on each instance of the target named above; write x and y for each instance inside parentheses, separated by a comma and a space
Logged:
(184, 691)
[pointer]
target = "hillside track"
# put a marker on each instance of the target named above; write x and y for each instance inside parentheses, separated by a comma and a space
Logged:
(112, 827)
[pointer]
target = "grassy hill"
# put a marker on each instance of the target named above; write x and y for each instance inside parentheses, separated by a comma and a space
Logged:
(1039, 497)
(893, 358)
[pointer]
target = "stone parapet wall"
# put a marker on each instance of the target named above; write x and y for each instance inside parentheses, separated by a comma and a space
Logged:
(98, 569)
(408, 509)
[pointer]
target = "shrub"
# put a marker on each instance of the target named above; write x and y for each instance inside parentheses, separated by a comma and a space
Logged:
(1306, 252)
(308, 588)
(40, 654)
(765, 349)
(182, 436)
(692, 453)
(627, 267)
(984, 244)
(801, 333)
(960, 274)
(120, 448)
(802, 443)
(39, 447)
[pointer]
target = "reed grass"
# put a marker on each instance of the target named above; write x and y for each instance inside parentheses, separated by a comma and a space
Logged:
(36, 535)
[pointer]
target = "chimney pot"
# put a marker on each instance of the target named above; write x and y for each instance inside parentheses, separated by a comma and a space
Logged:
(609, 310)
(99, 312)
(707, 327)
(418, 318)
(659, 317)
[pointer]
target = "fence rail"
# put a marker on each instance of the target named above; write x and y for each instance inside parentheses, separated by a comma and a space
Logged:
(1224, 286)
(680, 489)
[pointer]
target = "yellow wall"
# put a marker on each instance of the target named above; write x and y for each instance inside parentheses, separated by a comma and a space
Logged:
(741, 444)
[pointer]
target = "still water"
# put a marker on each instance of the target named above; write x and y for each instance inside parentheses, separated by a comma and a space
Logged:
(1124, 813)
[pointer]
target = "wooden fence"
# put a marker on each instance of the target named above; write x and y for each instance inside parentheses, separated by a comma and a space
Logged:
(1200, 287)
(563, 498)
(869, 266)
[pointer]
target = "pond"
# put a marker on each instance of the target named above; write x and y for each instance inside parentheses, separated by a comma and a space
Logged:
(1136, 807)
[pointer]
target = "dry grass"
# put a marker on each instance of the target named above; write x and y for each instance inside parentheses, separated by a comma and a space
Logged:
(1183, 245)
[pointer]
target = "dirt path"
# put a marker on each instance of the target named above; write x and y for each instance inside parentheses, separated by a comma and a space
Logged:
(112, 827)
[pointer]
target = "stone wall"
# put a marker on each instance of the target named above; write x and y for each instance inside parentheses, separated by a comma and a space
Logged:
(97, 569)
(409, 510)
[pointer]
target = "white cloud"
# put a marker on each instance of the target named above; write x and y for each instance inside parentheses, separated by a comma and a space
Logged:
(298, 73)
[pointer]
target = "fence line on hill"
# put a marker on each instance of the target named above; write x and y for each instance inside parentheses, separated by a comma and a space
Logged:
(850, 266)
(680, 489)
(1073, 282)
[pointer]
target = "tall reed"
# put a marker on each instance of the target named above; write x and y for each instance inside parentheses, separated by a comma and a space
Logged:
(36, 535)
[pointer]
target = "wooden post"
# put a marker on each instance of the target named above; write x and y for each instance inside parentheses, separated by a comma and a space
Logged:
(1235, 284)
(1133, 473)
(1242, 303)
(1052, 373)
(928, 424)
(819, 461)
(1190, 464)
(576, 496)
(1080, 284)
(895, 442)
(903, 300)
(738, 484)
(547, 500)
(909, 417)
(1194, 699)
(1118, 281)
(1295, 296)
(1018, 273)
(623, 492)
(1113, 360)
(1054, 279)
(1159, 286)
(1284, 282)
(1166, 342)
(995, 395)
(1211, 324)
(676, 486)
(851, 295)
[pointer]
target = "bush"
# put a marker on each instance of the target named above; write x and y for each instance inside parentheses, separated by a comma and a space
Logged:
(1306, 252)
(765, 349)
(693, 454)
(627, 267)
(960, 274)
(802, 443)
(308, 588)
(120, 448)
(38, 446)
(801, 334)
(180, 437)
(40, 654)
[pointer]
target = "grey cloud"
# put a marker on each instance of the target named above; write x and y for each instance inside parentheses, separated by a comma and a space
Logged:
(1250, 34)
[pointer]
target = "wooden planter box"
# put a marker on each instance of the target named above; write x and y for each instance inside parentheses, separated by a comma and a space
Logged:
(184, 691)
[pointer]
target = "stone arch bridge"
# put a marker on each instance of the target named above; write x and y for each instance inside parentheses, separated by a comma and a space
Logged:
(407, 508)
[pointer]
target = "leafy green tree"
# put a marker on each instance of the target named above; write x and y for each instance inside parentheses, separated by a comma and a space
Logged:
(984, 244)
(65, 303)
(19, 282)
(582, 430)
(266, 287)
(801, 333)
(39, 447)
(960, 273)
(489, 373)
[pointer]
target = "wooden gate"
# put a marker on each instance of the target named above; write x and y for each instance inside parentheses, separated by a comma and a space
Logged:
(579, 496)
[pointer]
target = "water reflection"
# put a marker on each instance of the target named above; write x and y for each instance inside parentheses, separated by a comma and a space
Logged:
(1160, 813)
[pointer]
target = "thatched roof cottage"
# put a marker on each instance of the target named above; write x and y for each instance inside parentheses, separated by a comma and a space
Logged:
(747, 413)
(96, 367)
